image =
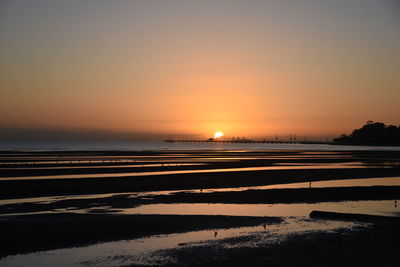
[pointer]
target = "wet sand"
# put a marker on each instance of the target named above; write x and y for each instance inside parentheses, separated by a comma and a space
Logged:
(373, 246)
(64, 226)
(270, 196)
(369, 164)
(22, 234)
(49, 187)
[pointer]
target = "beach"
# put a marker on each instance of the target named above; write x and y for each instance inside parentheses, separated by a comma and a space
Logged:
(53, 200)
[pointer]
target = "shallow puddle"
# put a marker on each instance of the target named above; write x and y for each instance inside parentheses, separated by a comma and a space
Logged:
(375, 207)
(383, 181)
(139, 165)
(57, 198)
(244, 169)
(387, 181)
(141, 251)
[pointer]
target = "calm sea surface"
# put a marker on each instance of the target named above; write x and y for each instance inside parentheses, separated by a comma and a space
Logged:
(141, 146)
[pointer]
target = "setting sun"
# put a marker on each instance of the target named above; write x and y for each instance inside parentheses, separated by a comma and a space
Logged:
(218, 134)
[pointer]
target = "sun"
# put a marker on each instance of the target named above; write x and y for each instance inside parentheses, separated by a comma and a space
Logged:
(218, 135)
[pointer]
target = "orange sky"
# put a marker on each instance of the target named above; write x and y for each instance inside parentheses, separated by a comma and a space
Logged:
(246, 68)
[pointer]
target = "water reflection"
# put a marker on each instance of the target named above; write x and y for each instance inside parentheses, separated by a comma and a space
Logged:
(138, 165)
(390, 181)
(244, 169)
(374, 207)
(383, 181)
(143, 251)
(57, 198)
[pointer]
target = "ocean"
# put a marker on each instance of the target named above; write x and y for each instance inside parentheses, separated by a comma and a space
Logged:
(149, 146)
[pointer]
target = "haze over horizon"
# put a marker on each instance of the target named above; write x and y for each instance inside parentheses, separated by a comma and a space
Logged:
(156, 69)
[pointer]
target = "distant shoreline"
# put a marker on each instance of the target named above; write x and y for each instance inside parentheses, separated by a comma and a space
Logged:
(248, 142)
(138, 146)
(277, 142)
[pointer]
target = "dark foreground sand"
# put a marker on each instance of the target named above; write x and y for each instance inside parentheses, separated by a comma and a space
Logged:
(22, 234)
(377, 245)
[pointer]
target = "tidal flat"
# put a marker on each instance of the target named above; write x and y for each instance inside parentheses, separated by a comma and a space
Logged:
(225, 205)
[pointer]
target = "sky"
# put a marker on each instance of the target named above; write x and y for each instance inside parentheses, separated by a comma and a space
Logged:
(173, 68)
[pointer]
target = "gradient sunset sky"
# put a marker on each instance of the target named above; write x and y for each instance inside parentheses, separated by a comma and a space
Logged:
(247, 68)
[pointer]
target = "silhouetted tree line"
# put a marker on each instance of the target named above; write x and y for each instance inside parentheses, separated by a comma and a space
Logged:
(373, 133)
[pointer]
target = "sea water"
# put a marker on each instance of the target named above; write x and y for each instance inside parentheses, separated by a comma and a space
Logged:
(143, 146)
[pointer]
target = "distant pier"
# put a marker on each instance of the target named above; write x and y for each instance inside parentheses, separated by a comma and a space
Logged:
(248, 141)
